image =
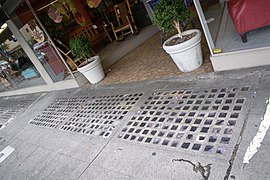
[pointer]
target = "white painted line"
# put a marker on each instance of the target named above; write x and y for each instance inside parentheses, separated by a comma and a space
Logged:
(7, 123)
(257, 140)
(5, 153)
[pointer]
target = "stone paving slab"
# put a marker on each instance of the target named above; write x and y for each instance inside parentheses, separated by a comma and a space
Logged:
(145, 162)
(264, 82)
(34, 165)
(80, 147)
(34, 135)
(3, 139)
(96, 172)
(259, 105)
(45, 164)
(258, 167)
(12, 141)
(21, 153)
(65, 168)
(71, 154)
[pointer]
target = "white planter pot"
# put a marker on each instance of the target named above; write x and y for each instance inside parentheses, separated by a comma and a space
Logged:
(187, 55)
(93, 71)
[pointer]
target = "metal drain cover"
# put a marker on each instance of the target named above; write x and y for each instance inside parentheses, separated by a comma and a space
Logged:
(12, 106)
(58, 112)
(100, 115)
(97, 115)
(8, 110)
(202, 121)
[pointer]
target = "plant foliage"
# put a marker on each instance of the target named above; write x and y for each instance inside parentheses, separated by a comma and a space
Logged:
(170, 13)
(80, 47)
(56, 30)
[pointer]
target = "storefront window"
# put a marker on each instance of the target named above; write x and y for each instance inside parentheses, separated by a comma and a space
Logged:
(213, 15)
(16, 69)
(40, 43)
(235, 26)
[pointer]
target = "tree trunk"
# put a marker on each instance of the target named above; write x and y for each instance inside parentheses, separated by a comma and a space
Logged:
(177, 27)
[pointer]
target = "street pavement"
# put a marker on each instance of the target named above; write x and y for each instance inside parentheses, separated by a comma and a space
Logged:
(212, 126)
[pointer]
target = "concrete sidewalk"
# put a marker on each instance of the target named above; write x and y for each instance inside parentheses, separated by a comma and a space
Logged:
(189, 127)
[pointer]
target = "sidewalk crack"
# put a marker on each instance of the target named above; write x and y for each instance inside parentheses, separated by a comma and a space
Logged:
(203, 170)
(236, 147)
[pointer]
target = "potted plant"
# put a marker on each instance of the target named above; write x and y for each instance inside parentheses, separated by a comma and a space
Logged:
(184, 47)
(91, 68)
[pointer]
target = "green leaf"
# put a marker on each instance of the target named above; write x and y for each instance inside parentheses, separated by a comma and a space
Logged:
(167, 11)
(80, 47)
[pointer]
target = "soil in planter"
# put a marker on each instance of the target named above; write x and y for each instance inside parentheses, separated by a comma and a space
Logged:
(84, 63)
(179, 40)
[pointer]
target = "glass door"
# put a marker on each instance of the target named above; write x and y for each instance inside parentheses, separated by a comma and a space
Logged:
(210, 13)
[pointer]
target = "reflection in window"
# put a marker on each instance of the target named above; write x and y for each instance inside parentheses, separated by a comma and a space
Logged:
(16, 69)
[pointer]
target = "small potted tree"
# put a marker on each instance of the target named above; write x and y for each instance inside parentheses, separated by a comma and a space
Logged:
(91, 67)
(184, 47)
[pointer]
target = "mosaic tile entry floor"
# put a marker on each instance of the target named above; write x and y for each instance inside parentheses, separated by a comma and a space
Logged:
(203, 121)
